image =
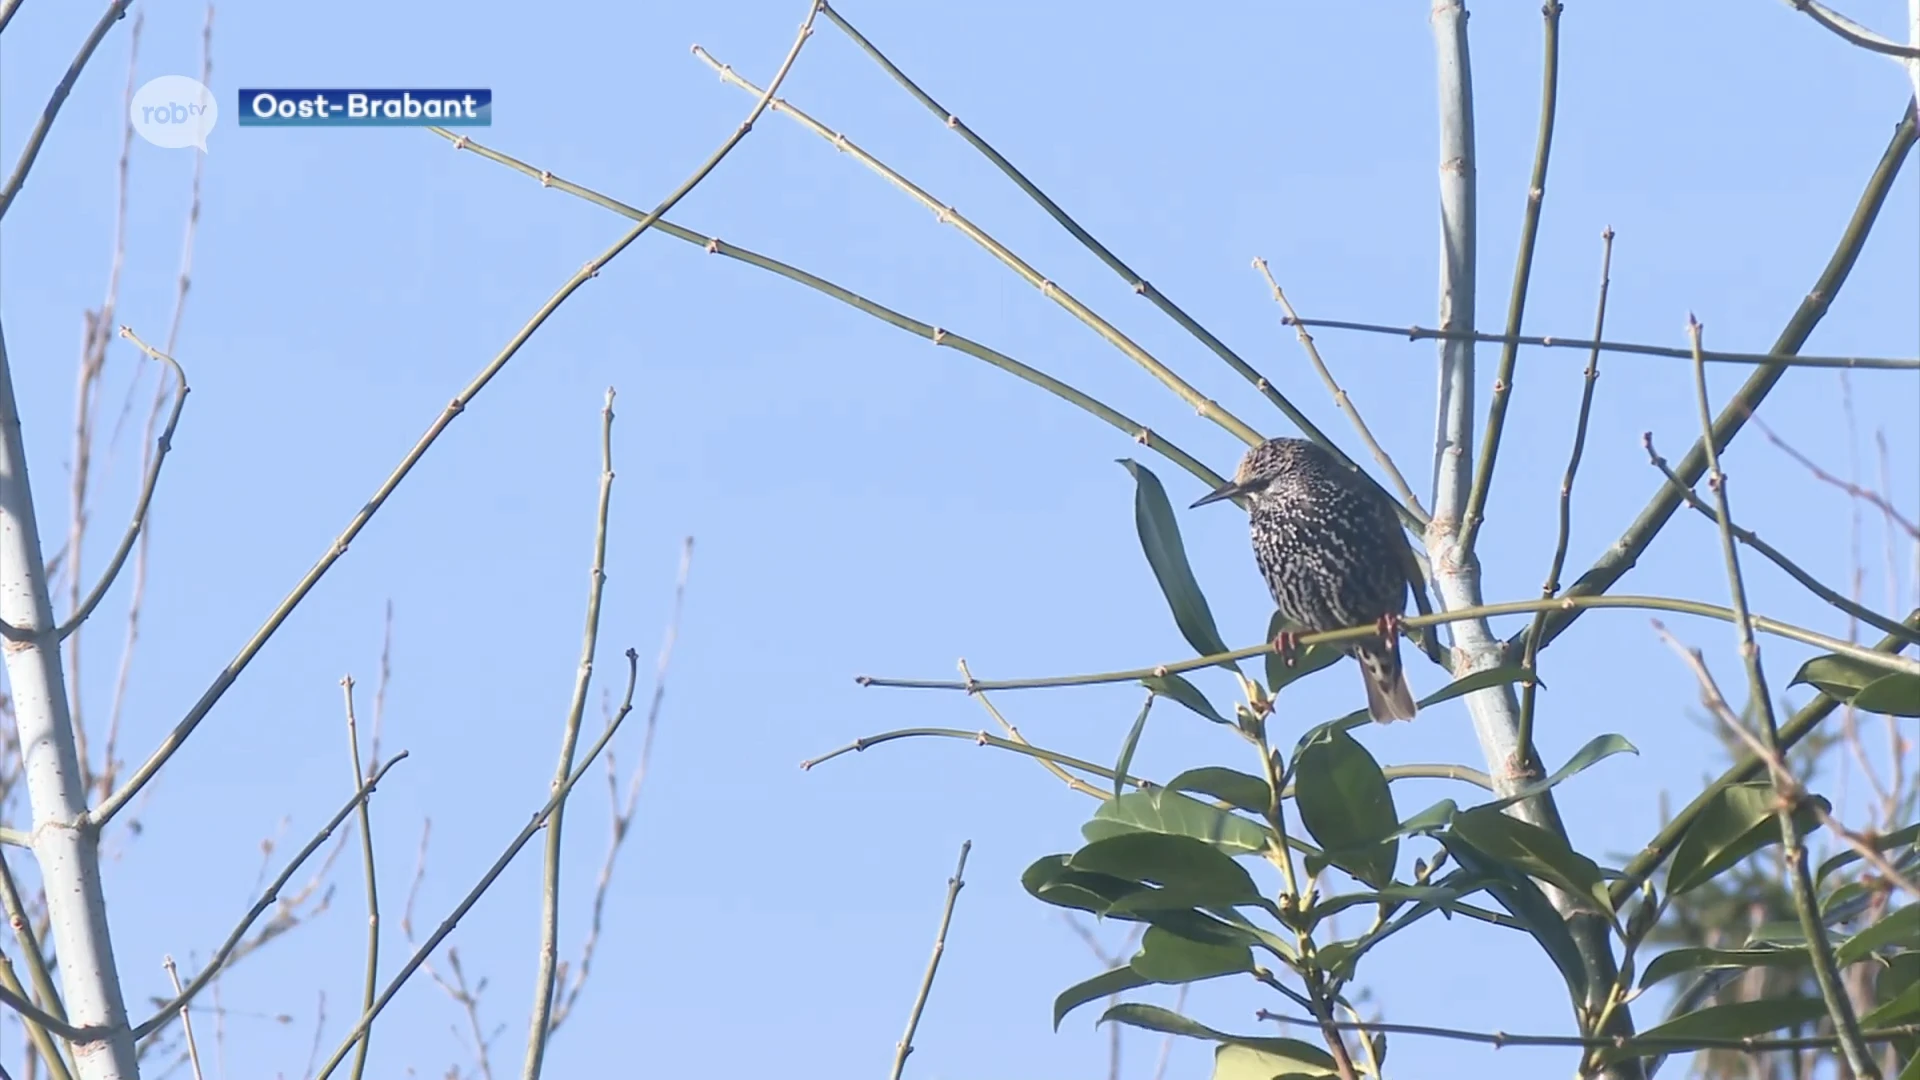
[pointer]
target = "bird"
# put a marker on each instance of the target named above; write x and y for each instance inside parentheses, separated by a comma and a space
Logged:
(1330, 545)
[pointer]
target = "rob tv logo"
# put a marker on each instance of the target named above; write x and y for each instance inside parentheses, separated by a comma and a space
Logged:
(175, 112)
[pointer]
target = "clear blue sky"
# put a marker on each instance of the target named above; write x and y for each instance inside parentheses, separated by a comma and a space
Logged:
(866, 503)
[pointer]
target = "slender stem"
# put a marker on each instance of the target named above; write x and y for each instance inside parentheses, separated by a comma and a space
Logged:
(1529, 690)
(1772, 554)
(1785, 359)
(1669, 1043)
(37, 1032)
(1046, 762)
(1408, 499)
(371, 981)
(160, 450)
(713, 245)
(178, 736)
(1623, 553)
(37, 971)
(186, 1022)
(1475, 512)
(1643, 865)
(114, 13)
(271, 894)
(1826, 972)
(1853, 33)
(954, 884)
(1100, 251)
(1018, 745)
(1201, 404)
(542, 1013)
(447, 925)
(1873, 657)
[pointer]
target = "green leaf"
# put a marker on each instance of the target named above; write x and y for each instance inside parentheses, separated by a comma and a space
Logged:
(1346, 805)
(1736, 822)
(1896, 694)
(1679, 961)
(1127, 748)
(1526, 903)
(1280, 674)
(1105, 984)
(1536, 852)
(1232, 1061)
(1160, 539)
(1154, 1018)
(1900, 927)
(1165, 957)
(1838, 677)
(1741, 1019)
(1194, 866)
(1904, 1008)
(1599, 748)
(1050, 880)
(1163, 811)
(1249, 793)
(1480, 680)
(1431, 820)
(1184, 692)
(1892, 840)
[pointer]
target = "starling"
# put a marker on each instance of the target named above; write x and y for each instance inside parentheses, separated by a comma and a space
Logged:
(1331, 548)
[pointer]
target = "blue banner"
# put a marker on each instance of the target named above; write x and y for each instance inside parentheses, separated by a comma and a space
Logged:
(366, 108)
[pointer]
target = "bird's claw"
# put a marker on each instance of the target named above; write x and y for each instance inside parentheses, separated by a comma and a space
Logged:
(1287, 644)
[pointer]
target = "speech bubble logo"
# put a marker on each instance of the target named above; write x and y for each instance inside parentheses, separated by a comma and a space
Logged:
(175, 112)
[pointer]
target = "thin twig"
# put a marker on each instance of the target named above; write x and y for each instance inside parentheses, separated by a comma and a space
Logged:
(1100, 251)
(954, 884)
(1530, 689)
(1772, 554)
(370, 981)
(1201, 404)
(178, 736)
(1340, 397)
(540, 1017)
(1475, 511)
(220, 956)
(1783, 359)
(1868, 495)
(186, 1022)
(113, 14)
(1013, 733)
(1826, 972)
(1872, 657)
(1670, 1043)
(1852, 32)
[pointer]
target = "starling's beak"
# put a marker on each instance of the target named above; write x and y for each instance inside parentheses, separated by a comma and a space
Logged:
(1227, 491)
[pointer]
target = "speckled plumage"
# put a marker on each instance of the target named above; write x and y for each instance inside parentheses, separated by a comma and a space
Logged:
(1331, 548)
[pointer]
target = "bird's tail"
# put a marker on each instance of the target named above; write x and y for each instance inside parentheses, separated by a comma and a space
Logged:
(1388, 696)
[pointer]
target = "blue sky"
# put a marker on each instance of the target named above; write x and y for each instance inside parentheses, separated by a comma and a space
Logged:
(865, 503)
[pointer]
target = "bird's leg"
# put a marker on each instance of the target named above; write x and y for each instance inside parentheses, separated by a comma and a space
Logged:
(1390, 631)
(1287, 644)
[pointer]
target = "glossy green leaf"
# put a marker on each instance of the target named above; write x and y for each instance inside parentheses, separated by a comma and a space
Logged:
(1167, 555)
(1479, 680)
(1895, 839)
(1306, 661)
(1903, 1009)
(1194, 866)
(1599, 748)
(1896, 694)
(1431, 820)
(1680, 961)
(1838, 677)
(1738, 821)
(1899, 927)
(1127, 748)
(1306, 1056)
(1536, 852)
(1163, 811)
(1249, 793)
(1346, 805)
(1051, 880)
(1175, 688)
(1529, 906)
(1741, 1019)
(1105, 984)
(1165, 957)
(1232, 1061)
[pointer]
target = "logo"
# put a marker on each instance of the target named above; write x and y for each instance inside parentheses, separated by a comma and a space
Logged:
(365, 108)
(175, 112)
